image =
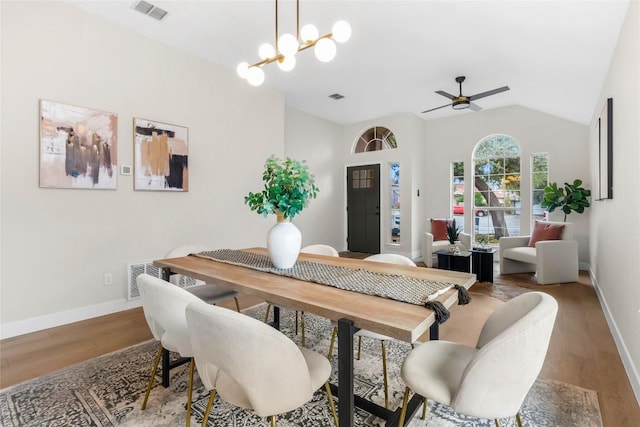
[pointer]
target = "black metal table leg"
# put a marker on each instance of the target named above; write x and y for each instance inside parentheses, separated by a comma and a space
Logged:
(434, 332)
(276, 317)
(166, 359)
(345, 373)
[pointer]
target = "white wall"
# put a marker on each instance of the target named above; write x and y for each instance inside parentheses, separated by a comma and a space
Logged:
(319, 143)
(57, 244)
(455, 138)
(615, 232)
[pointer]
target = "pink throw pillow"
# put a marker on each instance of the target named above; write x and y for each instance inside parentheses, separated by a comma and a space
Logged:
(545, 231)
(439, 229)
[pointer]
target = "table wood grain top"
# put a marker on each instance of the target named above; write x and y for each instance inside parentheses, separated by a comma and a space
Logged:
(396, 319)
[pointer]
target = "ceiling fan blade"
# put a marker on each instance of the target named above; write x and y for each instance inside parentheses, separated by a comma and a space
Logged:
(474, 107)
(437, 108)
(445, 94)
(488, 93)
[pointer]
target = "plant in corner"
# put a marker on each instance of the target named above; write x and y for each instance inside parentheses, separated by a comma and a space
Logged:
(570, 198)
(288, 186)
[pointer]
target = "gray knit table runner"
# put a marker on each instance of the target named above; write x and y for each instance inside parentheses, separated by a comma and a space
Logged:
(393, 286)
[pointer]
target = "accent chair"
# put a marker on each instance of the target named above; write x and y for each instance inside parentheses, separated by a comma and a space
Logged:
(553, 261)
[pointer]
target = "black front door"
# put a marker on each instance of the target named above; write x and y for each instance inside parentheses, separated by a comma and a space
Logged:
(363, 209)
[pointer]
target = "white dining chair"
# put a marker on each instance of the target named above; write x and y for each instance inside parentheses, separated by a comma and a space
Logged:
(272, 377)
(164, 309)
(317, 249)
(492, 379)
(390, 259)
(211, 293)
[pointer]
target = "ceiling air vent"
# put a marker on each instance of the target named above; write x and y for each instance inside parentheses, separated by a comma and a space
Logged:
(150, 10)
(336, 96)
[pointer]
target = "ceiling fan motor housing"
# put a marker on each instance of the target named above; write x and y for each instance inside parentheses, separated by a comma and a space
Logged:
(460, 103)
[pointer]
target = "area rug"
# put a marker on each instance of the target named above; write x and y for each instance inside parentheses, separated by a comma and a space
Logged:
(108, 390)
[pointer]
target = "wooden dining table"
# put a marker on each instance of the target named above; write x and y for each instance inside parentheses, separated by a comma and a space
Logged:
(350, 310)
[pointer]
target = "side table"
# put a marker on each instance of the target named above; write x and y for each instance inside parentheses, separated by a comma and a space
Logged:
(482, 262)
(452, 261)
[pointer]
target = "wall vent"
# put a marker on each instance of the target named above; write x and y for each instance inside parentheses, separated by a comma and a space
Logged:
(135, 269)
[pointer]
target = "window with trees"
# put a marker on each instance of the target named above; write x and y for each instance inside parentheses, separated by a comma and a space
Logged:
(496, 179)
(375, 139)
(539, 180)
(457, 193)
(394, 172)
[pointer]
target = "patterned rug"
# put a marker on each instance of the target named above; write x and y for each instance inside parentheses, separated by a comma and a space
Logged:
(108, 390)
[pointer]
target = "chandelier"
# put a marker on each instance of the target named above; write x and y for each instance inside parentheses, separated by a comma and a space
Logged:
(288, 45)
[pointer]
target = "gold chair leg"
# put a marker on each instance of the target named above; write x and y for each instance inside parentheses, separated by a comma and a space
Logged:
(192, 366)
(333, 341)
(212, 396)
(384, 371)
(304, 339)
(497, 422)
(273, 421)
(424, 409)
(359, 345)
(331, 404)
(518, 419)
(403, 413)
(237, 304)
(266, 313)
(152, 377)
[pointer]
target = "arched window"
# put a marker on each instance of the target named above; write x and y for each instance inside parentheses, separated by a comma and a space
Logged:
(496, 179)
(375, 139)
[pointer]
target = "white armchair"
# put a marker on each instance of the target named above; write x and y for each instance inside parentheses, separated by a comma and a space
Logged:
(430, 245)
(553, 261)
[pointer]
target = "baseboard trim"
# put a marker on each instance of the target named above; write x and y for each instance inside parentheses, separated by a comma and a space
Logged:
(35, 324)
(627, 362)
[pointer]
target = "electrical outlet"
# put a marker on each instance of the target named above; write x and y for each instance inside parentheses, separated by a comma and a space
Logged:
(108, 279)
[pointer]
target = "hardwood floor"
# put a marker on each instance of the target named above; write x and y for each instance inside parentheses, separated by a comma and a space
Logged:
(582, 351)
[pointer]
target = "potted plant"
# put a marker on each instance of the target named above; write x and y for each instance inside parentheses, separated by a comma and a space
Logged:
(452, 236)
(571, 198)
(288, 186)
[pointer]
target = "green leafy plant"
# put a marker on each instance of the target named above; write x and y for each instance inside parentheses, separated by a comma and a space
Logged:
(287, 188)
(452, 232)
(570, 198)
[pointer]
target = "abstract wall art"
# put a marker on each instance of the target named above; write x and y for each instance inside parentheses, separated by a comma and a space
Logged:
(161, 153)
(78, 147)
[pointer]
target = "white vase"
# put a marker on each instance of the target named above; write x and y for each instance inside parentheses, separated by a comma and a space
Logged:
(283, 243)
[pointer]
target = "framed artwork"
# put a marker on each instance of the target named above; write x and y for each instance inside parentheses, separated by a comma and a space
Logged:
(605, 151)
(161, 154)
(78, 147)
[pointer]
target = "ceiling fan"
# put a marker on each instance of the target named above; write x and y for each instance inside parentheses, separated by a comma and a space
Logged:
(461, 101)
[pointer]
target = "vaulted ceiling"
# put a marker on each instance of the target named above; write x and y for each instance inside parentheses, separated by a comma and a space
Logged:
(553, 55)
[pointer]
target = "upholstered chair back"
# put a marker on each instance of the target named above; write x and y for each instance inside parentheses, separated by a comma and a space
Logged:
(511, 351)
(251, 364)
(164, 305)
(391, 259)
(320, 249)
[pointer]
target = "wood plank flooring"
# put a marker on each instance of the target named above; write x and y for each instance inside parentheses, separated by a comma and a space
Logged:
(582, 351)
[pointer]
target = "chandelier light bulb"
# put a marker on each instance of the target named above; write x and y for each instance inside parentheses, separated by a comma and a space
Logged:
(287, 63)
(325, 50)
(288, 45)
(341, 31)
(266, 51)
(255, 76)
(308, 33)
(243, 69)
